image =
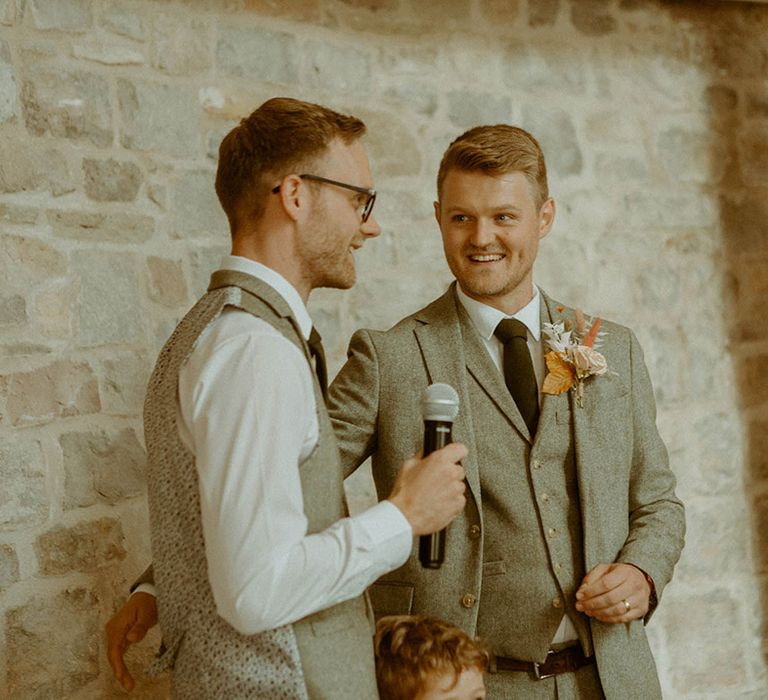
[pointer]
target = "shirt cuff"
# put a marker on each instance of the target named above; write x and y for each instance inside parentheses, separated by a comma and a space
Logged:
(387, 532)
(145, 588)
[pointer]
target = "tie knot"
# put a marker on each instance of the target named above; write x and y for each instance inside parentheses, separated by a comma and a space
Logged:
(510, 328)
(315, 341)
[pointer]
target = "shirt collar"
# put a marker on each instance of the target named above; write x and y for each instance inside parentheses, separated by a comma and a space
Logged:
(275, 280)
(486, 318)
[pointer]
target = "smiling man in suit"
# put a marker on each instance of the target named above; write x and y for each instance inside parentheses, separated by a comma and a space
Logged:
(572, 527)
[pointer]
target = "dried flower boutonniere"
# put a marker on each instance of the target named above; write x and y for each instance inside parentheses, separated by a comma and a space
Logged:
(573, 356)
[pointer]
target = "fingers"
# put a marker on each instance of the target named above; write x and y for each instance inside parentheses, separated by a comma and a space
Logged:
(115, 651)
(613, 593)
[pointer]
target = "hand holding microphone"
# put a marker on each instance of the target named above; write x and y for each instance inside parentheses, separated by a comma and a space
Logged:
(430, 491)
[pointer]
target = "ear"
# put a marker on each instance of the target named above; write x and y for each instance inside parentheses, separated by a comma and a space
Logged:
(436, 205)
(546, 217)
(294, 197)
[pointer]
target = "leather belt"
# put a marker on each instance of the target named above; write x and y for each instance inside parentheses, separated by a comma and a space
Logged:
(563, 661)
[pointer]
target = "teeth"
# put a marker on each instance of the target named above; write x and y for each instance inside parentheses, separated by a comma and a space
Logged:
(485, 258)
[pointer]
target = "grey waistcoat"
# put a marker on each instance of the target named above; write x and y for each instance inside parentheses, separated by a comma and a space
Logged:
(326, 655)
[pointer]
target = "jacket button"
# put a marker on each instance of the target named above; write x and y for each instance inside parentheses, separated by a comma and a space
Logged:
(474, 532)
(536, 464)
(552, 532)
(468, 600)
(557, 603)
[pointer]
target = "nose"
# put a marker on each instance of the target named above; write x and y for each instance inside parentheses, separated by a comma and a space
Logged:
(481, 234)
(370, 228)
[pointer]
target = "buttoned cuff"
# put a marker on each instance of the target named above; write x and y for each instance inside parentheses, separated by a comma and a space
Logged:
(145, 588)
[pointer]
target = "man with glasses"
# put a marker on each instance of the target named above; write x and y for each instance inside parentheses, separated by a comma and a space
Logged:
(259, 574)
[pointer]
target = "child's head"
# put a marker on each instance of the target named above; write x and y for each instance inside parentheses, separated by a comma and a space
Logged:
(422, 658)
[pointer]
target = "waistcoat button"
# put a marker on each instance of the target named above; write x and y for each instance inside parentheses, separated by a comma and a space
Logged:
(474, 532)
(536, 464)
(557, 603)
(551, 532)
(468, 600)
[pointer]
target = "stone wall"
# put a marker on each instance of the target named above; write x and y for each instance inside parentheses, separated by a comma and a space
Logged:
(654, 118)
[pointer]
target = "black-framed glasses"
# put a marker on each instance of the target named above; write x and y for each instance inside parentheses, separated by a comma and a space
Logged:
(364, 209)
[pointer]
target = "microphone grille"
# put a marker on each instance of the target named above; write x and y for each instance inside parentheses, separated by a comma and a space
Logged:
(440, 402)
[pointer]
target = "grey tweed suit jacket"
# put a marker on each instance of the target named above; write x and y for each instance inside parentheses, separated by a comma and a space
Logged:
(629, 510)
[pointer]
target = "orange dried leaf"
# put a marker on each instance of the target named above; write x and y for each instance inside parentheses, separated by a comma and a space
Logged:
(561, 376)
(589, 341)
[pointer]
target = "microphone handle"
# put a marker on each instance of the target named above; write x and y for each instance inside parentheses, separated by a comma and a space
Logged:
(437, 434)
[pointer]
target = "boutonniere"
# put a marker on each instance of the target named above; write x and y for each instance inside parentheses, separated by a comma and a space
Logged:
(573, 357)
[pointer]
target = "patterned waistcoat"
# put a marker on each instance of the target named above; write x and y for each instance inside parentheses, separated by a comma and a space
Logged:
(326, 655)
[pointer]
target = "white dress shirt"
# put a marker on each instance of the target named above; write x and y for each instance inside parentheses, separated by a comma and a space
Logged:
(247, 412)
(486, 318)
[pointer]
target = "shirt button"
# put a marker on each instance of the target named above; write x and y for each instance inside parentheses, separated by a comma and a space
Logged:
(468, 600)
(536, 464)
(474, 531)
(557, 603)
(552, 532)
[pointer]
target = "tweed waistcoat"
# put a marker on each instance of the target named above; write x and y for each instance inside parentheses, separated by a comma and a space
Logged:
(532, 553)
(209, 657)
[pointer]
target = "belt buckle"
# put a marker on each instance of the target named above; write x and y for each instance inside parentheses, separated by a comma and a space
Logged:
(537, 669)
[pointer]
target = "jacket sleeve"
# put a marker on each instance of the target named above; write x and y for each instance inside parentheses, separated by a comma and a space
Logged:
(656, 516)
(353, 403)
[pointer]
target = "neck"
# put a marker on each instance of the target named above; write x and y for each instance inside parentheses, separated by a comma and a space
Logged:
(275, 251)
(509, 303)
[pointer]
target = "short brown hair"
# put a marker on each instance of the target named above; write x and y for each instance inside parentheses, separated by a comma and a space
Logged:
(496, 150)
(279, 137)
(412, 649)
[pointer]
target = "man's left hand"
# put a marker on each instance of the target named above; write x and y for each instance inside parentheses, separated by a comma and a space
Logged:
(614, 593)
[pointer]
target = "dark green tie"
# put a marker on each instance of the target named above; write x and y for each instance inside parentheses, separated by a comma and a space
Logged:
(518, 370)
(315, 343)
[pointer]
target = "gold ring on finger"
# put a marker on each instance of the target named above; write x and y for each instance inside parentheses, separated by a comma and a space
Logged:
(627, 606)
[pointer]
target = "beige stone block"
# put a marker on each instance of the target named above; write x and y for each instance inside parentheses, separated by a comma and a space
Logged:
(7, 12)
(182, 45)
(555, 131)
(121, 18)
(690, 644)
(23, 498)
(9, 566)
(337, 67)
(692, 156)
(102, 467)
(300, 10)
(84, 547)
(159, 117)
(535, 67)
(9, 103)
(111, 180)
(593, 17)
(26, 167)
(53, 310)
(18, 215)
(52, 645)
(115, 227)
(391, 144)
(167, 283)
(751, 293)
(203, 261)
(13, 310)
(470, 108)
(543, 12)
(25, 260)
(108, 53)
(123, 383)
(245, 51)
(111, 308)
(58, 390)
(68, 103)
(196, 209)
(63, 15)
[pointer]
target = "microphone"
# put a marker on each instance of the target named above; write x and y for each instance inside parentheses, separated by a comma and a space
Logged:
(439, 408)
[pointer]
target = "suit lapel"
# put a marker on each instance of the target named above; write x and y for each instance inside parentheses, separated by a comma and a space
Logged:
(442, 347)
